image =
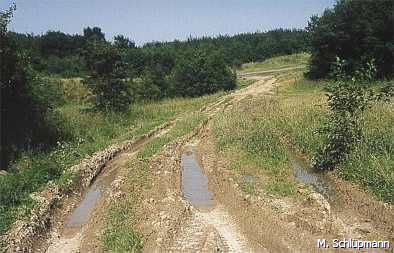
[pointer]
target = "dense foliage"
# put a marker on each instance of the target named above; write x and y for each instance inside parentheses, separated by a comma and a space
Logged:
(355, 31)
(117, 73)
(245, 47)
(62, 54)
(108, 80)
(199, 73)
(26, 100)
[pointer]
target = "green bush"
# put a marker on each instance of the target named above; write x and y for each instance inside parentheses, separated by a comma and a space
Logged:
(26, 102)
(70, 66)
(199, 73)
(348, 98)
(154, 84)
(108, 80)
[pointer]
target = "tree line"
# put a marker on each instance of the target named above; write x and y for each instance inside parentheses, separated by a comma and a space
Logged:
(58, 53)
(355, 31)
(117, 72)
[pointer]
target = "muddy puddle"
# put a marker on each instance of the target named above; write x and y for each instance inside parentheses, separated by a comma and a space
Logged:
(194, 182)
(81, 215)
(247, 179)
(102, 185)
(316, 180)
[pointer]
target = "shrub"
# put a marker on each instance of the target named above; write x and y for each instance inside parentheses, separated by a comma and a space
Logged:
(25, 101)
(153, 86)
(70, 66)
(348, 98)
(198, 73)
(108, 80)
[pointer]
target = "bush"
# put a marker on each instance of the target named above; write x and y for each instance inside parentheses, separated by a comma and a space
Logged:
(70, 66)
(348, 98)
(198, 73)
(108, 80)
(152, 86)
(26, 102)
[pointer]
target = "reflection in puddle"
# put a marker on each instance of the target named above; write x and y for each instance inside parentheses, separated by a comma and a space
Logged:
(305, 176)
(194, 182)
(82, 213)
(247, 179)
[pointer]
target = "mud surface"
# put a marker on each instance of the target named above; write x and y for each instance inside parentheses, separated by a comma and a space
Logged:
(82, 213)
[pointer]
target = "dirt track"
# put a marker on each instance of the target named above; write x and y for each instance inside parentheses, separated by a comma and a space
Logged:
(238, 222)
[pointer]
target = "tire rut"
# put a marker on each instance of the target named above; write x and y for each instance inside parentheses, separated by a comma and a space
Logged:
(216, 227)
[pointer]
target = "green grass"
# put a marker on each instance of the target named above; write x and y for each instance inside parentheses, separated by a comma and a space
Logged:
(91, 132)
(277, 62)
(255, 132)
(244, 82)
(246, 138)
(372, 163)
(181, 128)
(247, 187)
(120, 234)
(301, 85)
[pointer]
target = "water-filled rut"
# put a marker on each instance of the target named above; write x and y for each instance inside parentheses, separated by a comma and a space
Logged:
(75, 225)
(317, 181)
(210, 224)
(194, 182)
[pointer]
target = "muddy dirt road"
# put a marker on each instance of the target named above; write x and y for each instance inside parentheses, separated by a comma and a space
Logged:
(192, 202)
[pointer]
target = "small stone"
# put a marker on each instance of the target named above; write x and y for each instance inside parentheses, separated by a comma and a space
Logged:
(364, 230)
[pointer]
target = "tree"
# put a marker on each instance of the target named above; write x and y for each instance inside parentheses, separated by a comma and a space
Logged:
(121, 41)
(93, 34)
(198, 73)
(354, 31)
(154, 84)
(108, 78)
(23, 103)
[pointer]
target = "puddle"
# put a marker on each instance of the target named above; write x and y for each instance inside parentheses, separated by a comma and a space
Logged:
(248, 179)
(194, 182)
(304, 175)
(81, 215)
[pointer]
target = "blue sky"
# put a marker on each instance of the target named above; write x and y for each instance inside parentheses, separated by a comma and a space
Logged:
(162, 20)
